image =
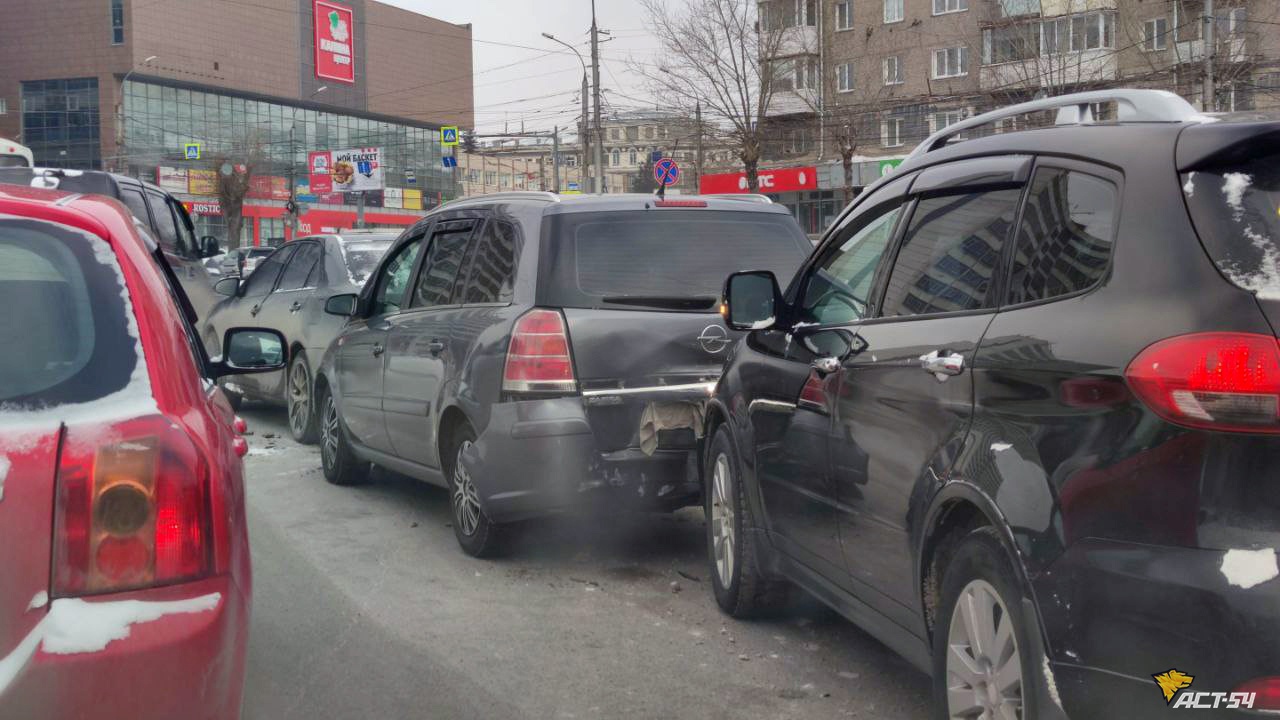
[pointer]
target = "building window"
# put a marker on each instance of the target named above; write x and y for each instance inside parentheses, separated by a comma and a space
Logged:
(942, 7)
(950, 62)
(891, 132)
(1153, 34)
(795, 141)
(633, 159)
(942, 119)
(893, 70)
(613, 133)
(844, 15)
(117, 22)
(60, 122)
(844, 77)
(491, 177)
(1059, 36)
(616, 158)
(780, 14)
(799, 73)
(4, 106)
(892, 11)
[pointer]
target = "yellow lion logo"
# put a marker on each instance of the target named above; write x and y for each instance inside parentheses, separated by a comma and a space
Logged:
(1171, 682)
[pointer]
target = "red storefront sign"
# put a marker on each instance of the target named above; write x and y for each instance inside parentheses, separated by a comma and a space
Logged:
(776, 180)
(318, 170)
(268, 187)
(203, 207)
(335, 30)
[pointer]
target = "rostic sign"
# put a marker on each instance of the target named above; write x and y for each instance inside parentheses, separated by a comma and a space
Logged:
(666, 172)
(335, 42)
(771, 181)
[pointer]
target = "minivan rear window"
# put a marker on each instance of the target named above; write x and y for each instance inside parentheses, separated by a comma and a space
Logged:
(665, 259)
(72, 341)
(1234, 208)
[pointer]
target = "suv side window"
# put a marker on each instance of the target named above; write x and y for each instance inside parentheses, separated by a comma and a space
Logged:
(448, 248)
(393, 280)
(166, 230)
(489, 275)
(263, 277)
(133, 200)
(300, 267)
(1066, 235)
(838, 288)
(950, 252)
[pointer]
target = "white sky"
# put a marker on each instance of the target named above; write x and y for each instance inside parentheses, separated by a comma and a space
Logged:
(538, 84)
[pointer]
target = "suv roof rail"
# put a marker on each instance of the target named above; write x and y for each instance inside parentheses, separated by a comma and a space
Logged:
(742, 197)
(1132, 105)
(509, 195)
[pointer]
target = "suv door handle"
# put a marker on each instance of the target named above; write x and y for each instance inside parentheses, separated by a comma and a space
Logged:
(254, 310)
(825, 365)
(435, 347)
(942, 365)
(295, 307)
(378, 349)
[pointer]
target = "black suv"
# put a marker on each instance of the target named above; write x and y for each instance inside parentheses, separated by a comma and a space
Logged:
(534, 353)
(1017, 415)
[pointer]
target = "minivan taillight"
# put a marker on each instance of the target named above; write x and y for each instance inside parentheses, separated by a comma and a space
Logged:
(132, 508)
(1215, 381)
(538, 357)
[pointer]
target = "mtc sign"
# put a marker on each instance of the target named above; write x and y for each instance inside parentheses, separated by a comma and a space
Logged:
(335, 30)
(777, 180)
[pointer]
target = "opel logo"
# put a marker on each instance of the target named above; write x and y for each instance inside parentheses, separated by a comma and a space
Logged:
(713, 339)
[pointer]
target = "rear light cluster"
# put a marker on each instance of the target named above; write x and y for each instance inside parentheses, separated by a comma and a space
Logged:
(680, 203)
(1215, 381)
(1266, 692)
(538, 357)
(131, 512)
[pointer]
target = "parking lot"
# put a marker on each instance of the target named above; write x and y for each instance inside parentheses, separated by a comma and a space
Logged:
(365, 607)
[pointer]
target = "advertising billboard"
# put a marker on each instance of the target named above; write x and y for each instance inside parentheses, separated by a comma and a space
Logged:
(352, 170)
(172, 179)
(202, 182)
(334, 42)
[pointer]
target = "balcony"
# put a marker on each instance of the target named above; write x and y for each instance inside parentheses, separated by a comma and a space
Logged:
(792, 102)
(798, 40)
(1048, 71)
(1231, 49)
(1056, 8)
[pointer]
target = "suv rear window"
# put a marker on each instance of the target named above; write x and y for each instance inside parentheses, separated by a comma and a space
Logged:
(72, 342)
(668, 259)
(1235, 212)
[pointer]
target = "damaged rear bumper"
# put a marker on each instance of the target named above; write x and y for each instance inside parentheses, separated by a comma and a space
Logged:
(538, 457)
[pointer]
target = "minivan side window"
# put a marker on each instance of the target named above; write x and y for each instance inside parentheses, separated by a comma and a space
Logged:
(838, 288)
(394, 278)
(950, 252)
(436, 280)
(1066, 235)
(490, 272)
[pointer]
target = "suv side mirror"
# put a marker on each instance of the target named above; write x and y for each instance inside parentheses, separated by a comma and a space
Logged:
(209, 247)
(227, 286)
(250, 350)
(344, 305)
(750, 300)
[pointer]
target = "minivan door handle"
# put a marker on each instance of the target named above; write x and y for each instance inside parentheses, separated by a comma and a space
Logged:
(378, 349)
(435, 347)
(942, 365)
(254, 310)
(295, 307)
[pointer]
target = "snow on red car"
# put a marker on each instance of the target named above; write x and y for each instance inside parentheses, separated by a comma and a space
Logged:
(124, 555)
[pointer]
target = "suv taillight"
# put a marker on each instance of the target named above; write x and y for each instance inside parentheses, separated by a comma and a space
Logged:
(132, 509)
(538, 357)
(1215, 381)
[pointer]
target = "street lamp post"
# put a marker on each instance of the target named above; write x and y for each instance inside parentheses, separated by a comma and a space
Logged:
(120, 115)
(293, 182)
(583, 133)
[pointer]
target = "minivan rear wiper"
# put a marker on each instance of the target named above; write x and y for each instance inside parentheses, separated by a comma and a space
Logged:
(696, 302)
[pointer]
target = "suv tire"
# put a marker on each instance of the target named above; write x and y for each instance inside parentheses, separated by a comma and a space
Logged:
(982, 604)
(339, 461)
(740, 587)
(299, 398)
(477, 536)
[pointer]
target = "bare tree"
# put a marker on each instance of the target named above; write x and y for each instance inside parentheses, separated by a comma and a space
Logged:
(234, 170)
(714, 54)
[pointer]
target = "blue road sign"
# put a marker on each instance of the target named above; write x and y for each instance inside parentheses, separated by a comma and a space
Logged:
(410, 177)
(450, 161)
(666, 172)
(449, 135)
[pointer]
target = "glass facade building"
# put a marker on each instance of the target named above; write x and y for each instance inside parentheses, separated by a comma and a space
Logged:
(60, 122)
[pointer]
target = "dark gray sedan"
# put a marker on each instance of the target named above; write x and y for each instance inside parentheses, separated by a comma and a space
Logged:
(287, 292)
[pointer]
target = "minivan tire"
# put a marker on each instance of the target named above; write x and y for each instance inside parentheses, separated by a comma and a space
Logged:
(745, 592)
(338, 460)
(476, 534)
(980, 572)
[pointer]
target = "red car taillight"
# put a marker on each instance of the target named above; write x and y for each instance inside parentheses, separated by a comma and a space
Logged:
(1266, 692)
(1215, 381)
(538, 357)
(132, 509)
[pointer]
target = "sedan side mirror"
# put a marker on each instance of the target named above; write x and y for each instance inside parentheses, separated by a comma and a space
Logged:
(209, 246)
(750, 300)
(250, 350)
(227, 286)
(344, 305)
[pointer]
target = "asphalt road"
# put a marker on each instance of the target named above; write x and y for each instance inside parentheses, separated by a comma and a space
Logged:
(364, 607)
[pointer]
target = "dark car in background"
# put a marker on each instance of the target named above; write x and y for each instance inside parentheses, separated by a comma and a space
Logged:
(536, 353)
(288, 292)
(1019, 415)
(161, 214)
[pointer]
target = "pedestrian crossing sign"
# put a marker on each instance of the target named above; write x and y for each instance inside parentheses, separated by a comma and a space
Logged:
(449, 135)
(191, 151)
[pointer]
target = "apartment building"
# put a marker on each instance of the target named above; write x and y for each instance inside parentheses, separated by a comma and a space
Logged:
(505, 166)
(631, 138)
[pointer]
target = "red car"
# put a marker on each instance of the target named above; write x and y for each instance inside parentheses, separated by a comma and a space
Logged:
(124, 557)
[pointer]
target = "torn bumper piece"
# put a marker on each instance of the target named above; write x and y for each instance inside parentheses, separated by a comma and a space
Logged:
(538, 457)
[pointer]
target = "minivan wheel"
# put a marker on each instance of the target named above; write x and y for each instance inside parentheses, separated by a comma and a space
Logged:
(477, 536)
(740, 587)
(298, 397)
(339, 461)
(983, 661)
